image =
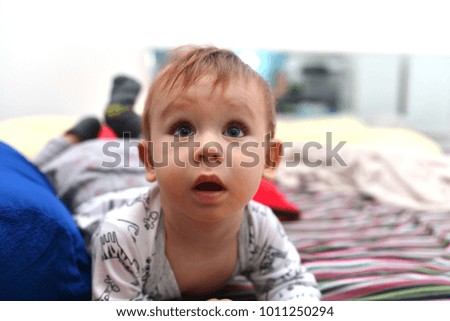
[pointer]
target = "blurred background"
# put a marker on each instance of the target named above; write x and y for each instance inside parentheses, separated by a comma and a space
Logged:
(385, 62)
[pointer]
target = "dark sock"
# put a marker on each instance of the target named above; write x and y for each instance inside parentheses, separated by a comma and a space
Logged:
(126, 124)
(86, 128)
(119, 114)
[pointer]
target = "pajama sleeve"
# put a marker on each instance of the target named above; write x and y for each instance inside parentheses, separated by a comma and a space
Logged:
(276, 270)
(128, 258)
(115, 270)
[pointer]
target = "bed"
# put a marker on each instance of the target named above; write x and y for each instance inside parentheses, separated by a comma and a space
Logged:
(378, 229)
(360, 249)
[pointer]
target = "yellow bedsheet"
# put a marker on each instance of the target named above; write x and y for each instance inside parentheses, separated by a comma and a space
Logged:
(29, 134)
(355, 133)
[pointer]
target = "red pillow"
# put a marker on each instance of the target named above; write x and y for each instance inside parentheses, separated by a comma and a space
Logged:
(106, 133)
(269, 195)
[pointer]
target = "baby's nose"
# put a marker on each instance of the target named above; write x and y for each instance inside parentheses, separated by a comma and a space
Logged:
(209, 152)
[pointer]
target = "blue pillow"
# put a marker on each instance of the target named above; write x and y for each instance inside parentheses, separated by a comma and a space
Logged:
(42, 253)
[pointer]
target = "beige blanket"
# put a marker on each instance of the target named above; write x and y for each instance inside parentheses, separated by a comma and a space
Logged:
(400, 177)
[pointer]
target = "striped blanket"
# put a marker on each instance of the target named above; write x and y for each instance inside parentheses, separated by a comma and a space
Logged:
(359, 249)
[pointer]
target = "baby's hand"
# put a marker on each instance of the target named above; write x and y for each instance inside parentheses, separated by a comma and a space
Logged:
(214, 299)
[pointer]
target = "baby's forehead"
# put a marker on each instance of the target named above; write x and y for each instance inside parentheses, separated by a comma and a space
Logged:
(235, 93)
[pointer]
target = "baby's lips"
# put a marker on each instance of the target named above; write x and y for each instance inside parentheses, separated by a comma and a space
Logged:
(208, 183)
(209, 187)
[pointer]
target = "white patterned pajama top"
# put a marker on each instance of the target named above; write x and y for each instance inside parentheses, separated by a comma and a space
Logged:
(129, 261)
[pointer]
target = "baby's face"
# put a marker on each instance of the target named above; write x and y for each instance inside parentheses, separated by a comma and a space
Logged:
(208, 149)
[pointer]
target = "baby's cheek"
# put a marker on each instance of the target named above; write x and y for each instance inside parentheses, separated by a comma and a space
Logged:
(248, 155)
(248, 178)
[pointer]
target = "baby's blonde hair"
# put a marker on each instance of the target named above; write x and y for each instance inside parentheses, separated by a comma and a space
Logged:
(187, 64)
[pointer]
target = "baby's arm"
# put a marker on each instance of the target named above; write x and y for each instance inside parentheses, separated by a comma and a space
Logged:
(277, 271)
(116, 273)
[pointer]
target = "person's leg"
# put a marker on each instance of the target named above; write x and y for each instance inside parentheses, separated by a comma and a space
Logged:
(51, 150)
(75, 170)
(87, 128)
(119, 114)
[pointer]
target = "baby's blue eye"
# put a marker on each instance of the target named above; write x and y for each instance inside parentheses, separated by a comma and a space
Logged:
(234, 131)
(183, 131)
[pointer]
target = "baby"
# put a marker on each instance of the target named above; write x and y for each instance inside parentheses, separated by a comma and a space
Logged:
(208, 124)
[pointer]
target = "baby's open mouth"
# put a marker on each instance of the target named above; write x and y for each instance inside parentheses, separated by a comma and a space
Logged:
(208, 187)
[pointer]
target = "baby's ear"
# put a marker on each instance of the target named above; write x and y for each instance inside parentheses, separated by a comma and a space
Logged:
(146, 158)
(273, 159)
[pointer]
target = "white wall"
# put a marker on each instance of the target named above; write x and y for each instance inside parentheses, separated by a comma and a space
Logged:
(429, 94)
(375, 85)
(63, 79)
(59, 56)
